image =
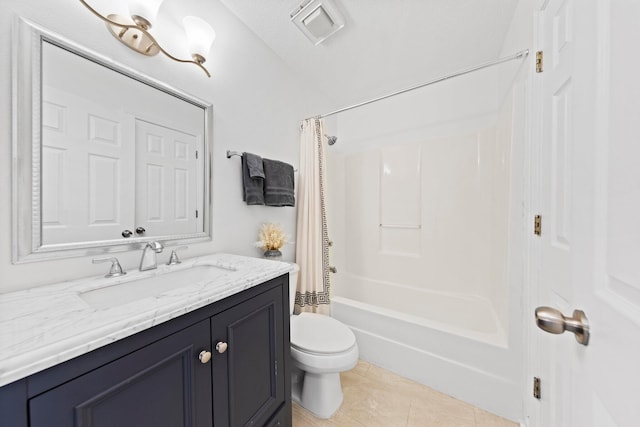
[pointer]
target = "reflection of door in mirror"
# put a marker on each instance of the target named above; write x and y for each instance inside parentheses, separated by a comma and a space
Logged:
(83, 154)
(117, 154)
(166, 180)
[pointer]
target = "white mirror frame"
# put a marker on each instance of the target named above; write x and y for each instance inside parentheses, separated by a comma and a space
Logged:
(26, 69)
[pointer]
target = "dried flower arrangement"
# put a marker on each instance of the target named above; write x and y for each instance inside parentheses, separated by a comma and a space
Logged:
(271, 236)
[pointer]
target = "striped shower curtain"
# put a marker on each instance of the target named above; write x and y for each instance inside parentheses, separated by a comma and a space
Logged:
(312, 242)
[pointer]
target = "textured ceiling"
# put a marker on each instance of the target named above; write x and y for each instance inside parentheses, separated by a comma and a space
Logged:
(386, 45)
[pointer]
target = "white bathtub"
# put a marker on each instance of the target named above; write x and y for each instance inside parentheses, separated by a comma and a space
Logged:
(452, 343)
(468, 316)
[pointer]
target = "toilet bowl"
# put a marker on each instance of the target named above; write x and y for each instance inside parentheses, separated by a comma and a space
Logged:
(321, 348)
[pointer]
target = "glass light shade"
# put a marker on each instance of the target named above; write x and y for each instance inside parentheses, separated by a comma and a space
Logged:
(200, 35)
(148, 9)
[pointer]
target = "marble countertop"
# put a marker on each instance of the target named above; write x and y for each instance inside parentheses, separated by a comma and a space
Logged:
(47, 325)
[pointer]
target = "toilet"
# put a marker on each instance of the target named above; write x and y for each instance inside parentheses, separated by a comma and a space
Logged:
(321, 348)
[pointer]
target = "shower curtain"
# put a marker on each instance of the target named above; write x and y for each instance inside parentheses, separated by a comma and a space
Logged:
(312, 242)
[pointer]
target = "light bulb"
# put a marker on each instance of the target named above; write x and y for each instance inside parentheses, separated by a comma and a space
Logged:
(145, 9)
(200, 36)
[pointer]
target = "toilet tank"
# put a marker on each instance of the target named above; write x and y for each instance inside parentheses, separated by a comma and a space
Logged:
(293, 283)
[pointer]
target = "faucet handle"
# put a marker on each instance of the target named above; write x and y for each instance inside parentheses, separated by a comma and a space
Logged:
(173, 259)
(116, 268)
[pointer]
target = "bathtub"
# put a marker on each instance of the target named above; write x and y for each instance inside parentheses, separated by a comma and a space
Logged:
(452, 343)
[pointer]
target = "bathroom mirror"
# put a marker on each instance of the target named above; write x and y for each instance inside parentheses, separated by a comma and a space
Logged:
(104, 158)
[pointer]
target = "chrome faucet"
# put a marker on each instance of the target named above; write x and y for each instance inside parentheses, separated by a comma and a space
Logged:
(149, 260)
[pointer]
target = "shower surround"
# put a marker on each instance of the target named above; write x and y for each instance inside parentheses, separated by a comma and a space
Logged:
(422, 224)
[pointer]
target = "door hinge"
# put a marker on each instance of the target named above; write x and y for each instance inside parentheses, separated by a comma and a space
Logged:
(537, 225)
(196, 154)
(536, 387)
(539, 64)
(196, 213)
(276, 366)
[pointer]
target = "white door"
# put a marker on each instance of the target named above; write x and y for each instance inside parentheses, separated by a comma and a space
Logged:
(87, 170)
(589, 251)
(167, 181)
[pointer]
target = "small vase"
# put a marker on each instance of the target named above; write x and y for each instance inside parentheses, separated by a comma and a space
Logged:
(273, 254)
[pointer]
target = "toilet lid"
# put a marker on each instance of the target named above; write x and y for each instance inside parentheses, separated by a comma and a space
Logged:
(317, 333)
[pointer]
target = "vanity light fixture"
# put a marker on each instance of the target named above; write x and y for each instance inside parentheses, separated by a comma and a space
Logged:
(134, 31)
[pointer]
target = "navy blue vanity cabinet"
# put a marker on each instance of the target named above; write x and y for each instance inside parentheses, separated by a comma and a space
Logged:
(160, 377)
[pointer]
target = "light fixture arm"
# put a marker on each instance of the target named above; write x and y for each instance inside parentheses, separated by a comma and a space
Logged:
(105, 19)
(186, 61)
(144, 31)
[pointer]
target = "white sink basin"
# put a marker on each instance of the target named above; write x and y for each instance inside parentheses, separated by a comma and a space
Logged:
(132, 290)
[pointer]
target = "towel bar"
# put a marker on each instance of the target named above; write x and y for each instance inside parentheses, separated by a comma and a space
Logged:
(400, 226)
(230, 154)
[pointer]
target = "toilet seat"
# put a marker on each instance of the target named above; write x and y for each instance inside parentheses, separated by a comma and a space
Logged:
(320, 335)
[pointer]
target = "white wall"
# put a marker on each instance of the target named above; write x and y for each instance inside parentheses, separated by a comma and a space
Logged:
(439, 110)
(257, 101)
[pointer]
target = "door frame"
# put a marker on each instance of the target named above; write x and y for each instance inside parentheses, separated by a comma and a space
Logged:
(533, 243)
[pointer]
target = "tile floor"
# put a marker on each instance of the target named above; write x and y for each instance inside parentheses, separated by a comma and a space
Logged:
(374, 397)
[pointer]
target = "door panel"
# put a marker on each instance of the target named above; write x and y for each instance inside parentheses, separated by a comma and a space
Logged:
(614, 290)
(87, 170)
(590, 203)
(167, 180)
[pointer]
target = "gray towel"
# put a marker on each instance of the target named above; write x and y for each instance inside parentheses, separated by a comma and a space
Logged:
(252, 182)
(278, 183)
(254, 165)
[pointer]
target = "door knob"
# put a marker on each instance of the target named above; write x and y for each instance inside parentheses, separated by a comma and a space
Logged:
(126, 233)
(221, 347)
(553, 321)
(140, 230)
(204, 356)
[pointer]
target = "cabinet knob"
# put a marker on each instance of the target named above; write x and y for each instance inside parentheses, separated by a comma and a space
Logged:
(221, 347)
(204, 356)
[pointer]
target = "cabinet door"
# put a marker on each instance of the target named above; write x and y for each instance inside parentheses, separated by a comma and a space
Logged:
(248, 378)
(281, 419)
(161, 385)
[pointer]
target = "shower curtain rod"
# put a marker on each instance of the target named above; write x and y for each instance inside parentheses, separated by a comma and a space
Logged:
(517, 55)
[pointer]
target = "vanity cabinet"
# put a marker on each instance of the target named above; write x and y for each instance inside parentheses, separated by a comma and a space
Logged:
(172, 375)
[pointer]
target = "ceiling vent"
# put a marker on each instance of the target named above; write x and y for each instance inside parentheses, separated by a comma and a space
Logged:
(317, 19)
